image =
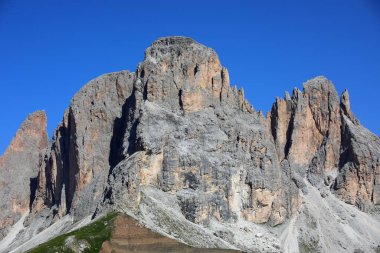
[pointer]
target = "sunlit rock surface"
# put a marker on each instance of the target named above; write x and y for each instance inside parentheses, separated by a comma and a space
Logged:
(177, 147)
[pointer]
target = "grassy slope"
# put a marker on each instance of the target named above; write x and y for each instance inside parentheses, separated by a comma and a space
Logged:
(94, 234)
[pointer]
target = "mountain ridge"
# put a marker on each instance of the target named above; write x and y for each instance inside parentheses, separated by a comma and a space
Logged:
(174, 141)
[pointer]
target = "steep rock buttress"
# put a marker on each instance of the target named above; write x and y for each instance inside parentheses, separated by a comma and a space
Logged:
(317, 135)
(19, 169)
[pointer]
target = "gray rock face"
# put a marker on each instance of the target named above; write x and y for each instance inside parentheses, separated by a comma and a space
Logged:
(358, 181)
(19, 169)
(174, 145)
(184, 126)
(75, 170)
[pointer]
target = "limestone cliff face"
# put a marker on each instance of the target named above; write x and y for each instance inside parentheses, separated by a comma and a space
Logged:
(358, 181)
(306, 127)
(192, 136)
(173, 140)
(185, 75)
(19, 169)
(318, 135)
(74, 171)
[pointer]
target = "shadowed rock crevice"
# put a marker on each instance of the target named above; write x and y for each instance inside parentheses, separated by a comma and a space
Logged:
(62, 163)
(345, 154)
(289, 133)
(33, 184)
(71, 171)
(134, 143)
(47, 177)
(119, 128)
(180, 101)
(125, 140)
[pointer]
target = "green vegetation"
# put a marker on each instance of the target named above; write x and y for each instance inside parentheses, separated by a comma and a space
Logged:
(307, 247)
(90, 238)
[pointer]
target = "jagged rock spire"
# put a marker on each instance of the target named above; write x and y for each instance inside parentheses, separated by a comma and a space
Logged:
(346, 107)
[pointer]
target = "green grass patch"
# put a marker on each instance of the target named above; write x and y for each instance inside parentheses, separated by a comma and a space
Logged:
(307, 247)
(92, 235)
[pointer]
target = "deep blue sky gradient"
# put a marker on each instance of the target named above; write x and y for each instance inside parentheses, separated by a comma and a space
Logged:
(50, 49)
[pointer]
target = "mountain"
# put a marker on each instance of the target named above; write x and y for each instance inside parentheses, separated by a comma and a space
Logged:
(174, 146)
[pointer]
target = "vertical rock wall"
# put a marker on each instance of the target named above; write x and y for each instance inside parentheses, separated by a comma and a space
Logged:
(19, 169)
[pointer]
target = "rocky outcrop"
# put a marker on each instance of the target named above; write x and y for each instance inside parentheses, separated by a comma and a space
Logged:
(185, 75)
(177, 147)
(184, 141)
(358, 181)
(306, 127)
(318, 135)
(19, 169)
(74, 172)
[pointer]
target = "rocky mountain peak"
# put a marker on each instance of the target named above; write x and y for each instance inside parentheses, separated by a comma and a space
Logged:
(177, 147)
(319, 83)
(345, 101)
(31, 134)
(177, 49)
(346, 107)
(174, 41)
(19, 169)
(183, 74)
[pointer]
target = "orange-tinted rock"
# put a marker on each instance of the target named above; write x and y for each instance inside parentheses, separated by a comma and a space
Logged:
(19, 168)
(319, 136)
(307, 125)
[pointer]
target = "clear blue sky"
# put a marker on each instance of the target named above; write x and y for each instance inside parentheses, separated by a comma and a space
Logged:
(50, 49)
